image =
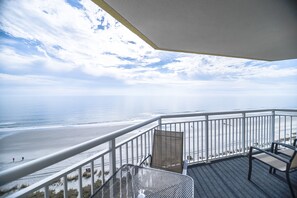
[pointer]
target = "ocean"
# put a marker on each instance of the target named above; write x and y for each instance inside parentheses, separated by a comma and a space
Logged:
(30, 112)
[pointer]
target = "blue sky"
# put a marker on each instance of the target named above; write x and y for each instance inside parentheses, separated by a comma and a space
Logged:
(75, 48)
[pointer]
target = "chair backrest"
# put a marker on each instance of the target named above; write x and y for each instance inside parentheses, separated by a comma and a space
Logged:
(168, 151)
(294, 160)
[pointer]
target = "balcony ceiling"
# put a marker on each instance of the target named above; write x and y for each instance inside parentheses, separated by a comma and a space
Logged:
(254, 29)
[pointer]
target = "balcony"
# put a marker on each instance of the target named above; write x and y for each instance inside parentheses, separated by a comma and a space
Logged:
(216, 144)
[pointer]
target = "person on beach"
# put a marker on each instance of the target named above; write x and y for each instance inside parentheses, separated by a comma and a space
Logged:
(13, 159)
(23, 158)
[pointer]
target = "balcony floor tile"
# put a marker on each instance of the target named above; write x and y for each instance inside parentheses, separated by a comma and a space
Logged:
(228, 178)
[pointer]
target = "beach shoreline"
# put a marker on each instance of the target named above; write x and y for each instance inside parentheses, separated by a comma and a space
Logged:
(35, 143)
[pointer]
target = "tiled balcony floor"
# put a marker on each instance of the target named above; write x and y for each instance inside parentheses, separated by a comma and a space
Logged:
(228, 178)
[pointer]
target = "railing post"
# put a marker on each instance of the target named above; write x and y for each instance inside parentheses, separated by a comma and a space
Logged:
(112, 157)
(206, 137)
(243, 133)
(160, 123)
(273, 127)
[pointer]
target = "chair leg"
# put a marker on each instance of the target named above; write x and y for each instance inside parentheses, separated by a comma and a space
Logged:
(250, 168)
(289, 183)
(270, 170)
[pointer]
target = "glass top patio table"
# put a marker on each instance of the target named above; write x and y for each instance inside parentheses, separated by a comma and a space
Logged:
(139, 182)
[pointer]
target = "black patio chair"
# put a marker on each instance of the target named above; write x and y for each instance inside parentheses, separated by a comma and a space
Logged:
(276, 162)
(285, 150)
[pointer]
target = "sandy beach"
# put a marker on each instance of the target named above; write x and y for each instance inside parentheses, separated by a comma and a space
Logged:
(35, 143)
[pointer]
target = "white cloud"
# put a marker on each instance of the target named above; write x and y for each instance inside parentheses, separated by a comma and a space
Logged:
(80, 43)
(24, 80)
(68, 39)
(226, 68)
(12, 60)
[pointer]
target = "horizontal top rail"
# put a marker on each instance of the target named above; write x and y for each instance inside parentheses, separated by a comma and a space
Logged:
(17, 172)
(184, 115)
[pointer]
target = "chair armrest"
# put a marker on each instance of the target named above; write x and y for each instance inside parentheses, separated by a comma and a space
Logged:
(269, 153)
(144, 159)
(285, 145)
(185, 167)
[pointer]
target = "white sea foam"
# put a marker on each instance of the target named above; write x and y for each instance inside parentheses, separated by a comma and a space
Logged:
(11, 130)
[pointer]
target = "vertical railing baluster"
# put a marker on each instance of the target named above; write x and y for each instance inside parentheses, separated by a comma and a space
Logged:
(264, 131)
(248, 131)
(121, 156)
(295, 126)
(237, 135)
(202, 139)
(258, 134)
(243, 132)
(46, 192)
(261, 130)
(150, 134)
(291, 128)
(226, 136)
(112, 157)
(229, 147)
(252, 131)
(210, 135)
(273, 127)
(137, 158)
(223, 136)
(80, 191)
(65, 186)
(264, 125)
(219, 137)
(206, 137)
(127, 157)
(141, 146)
(102, 169)
(198, 135)
(279, 128)
(132, 151)
(146, 145)
(285, 128)
(267, 128)
(92, 177)
(233, 139)
(193, 135)
(189, 141)
(185, 145)
(215, 137)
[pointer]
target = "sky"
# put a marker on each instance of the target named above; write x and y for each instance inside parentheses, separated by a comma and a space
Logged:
(74, 47)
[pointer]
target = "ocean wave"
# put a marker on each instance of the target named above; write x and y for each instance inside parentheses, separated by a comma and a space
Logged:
(16, 128)
(5, 123)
